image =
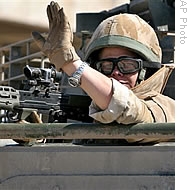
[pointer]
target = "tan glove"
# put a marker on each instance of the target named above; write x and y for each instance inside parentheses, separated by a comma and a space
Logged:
(58, 45)
(32, 118)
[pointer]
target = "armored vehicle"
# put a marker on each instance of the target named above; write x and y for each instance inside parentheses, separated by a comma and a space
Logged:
(42, 120)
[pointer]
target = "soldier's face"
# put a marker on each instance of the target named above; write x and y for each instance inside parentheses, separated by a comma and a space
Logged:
(128, 80)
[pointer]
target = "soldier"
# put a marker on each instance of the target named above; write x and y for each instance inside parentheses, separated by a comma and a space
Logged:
(122, 72)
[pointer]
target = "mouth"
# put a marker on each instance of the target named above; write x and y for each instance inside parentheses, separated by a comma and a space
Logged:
(125, 83)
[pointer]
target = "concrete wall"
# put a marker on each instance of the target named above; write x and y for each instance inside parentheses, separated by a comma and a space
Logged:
(58, 167)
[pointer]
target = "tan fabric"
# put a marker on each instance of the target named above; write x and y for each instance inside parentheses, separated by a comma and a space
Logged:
(150, 90)
(144, 103)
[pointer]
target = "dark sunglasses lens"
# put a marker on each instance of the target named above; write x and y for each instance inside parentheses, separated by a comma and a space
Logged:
(105, 67)
(127, 66)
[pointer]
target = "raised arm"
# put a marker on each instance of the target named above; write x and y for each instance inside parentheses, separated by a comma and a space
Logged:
(59, 49)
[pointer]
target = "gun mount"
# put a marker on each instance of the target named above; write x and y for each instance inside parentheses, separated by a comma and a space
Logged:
(41, 92)
(42, 76)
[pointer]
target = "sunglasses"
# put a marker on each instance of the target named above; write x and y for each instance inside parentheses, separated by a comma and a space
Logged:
(125, 65)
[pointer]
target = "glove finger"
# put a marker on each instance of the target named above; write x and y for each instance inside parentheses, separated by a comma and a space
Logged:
(55, 9)
(60, 16)
(39, 39)
(49, 14)
(52, 11)
(63, 19)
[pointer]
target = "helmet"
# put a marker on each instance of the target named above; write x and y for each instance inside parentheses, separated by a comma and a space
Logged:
(126, 30)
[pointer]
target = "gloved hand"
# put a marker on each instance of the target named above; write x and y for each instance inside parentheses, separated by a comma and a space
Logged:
(32, 118)
(58, 45)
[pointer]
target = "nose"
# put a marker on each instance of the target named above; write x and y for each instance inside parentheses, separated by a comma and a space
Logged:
(116, 72)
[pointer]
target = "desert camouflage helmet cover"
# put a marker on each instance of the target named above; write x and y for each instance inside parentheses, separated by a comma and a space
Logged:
(126, 30)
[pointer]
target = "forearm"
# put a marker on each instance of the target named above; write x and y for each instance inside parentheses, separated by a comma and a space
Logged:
(125, 107)
(59, 49)
(95, 84)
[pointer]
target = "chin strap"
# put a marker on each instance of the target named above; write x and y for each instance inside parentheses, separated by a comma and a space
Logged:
(142, 72)
(141, 75)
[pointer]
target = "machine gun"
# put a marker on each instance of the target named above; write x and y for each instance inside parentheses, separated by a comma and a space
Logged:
(41, 93)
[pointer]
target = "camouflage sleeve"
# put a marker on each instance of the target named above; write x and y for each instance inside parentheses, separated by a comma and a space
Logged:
(124, 108)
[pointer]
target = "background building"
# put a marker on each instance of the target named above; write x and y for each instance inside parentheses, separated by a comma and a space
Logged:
(18, 18)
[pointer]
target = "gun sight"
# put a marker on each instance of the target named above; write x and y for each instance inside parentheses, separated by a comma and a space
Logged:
(46, 75)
